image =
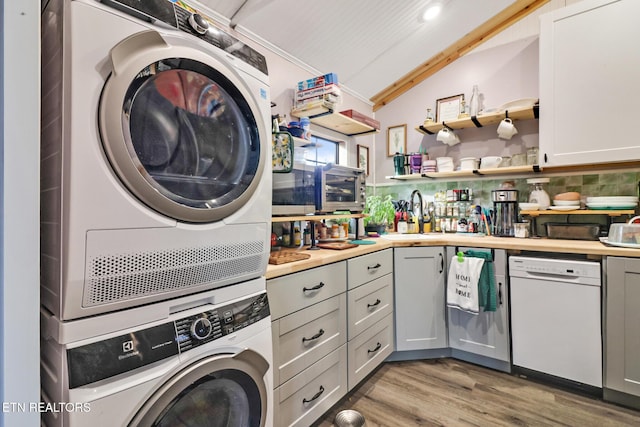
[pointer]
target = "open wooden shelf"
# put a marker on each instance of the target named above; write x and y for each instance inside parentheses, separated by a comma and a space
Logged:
(608, 212)
(314, 217)
(521, 113)
(469, 173)
(324, 116)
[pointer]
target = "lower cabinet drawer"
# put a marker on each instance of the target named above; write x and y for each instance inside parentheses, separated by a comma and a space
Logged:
(370, 349)
(368, 304)
(300, 290)
(306, 336)
(305, 397)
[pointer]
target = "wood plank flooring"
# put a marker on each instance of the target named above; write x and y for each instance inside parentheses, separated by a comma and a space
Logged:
(449, 392)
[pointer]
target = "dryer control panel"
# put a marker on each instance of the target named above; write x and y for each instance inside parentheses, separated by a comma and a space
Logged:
(186, 18)
(124, 353)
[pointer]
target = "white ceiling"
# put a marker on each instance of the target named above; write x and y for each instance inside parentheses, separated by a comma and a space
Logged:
(369, 44)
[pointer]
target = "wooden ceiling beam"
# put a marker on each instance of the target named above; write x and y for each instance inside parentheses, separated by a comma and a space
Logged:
(510, 15)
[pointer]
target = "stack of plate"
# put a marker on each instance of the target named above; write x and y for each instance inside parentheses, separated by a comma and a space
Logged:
(565, 205)
(612, 202)
(429, 166)
(445, 164)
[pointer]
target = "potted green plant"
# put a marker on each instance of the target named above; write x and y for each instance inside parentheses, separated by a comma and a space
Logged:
(380, 213)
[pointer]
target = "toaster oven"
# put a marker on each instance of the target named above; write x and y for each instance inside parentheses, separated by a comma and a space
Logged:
(339, 188)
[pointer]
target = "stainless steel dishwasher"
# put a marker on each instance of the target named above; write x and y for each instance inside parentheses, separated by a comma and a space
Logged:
(556, 318)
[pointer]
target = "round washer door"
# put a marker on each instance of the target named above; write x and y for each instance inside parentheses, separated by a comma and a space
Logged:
(218, 391)
(181, 128)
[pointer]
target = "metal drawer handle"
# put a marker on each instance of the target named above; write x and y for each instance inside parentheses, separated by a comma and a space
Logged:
(315, 396)
(500, 292)
(377, 303)
(315, 337)
(315, 288)
(374, 267)
(378, 346)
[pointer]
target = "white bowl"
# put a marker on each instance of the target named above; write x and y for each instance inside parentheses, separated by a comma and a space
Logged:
(490, 162)
(468, 163)
(529, 206)
(566, 202)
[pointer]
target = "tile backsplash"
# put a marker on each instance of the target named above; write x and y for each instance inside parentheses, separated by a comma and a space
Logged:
(599, 184)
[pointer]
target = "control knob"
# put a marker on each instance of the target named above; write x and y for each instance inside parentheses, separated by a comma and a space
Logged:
(198, 23)
(201, 328)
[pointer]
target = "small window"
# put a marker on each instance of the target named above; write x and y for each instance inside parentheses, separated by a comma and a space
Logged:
(326, 150)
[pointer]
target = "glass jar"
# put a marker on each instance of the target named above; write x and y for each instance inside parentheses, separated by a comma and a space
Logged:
(532, 156)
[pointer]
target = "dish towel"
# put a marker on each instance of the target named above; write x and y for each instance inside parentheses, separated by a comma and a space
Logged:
(462, 284)
(487, 283)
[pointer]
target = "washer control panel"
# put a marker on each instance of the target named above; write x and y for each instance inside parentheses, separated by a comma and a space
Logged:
(109, 357)
(210, 325)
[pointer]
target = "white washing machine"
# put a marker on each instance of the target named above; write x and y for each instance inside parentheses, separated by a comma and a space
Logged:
(156, 146)
(206, 362)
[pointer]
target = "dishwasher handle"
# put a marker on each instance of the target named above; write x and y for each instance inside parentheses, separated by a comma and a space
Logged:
(555, 277)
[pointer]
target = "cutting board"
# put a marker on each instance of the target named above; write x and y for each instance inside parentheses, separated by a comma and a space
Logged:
(285, 257)
(336, 245)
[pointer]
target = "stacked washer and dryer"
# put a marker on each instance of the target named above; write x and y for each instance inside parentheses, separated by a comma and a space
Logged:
(156, 203)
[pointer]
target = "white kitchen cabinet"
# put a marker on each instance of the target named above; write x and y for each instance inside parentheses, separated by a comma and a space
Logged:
(589, 86)
(487, 333)
(621, 336)
(309, 328)
(303, 399)
(370, 313)
(419, 282)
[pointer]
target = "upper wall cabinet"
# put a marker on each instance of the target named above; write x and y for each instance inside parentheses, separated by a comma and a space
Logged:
(589, 84)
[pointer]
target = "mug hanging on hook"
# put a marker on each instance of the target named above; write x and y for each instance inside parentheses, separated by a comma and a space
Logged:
(506, 128)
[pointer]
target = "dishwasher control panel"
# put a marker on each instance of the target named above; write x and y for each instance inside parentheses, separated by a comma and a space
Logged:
(523, 266)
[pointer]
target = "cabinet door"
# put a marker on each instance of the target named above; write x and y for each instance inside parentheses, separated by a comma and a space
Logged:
(420, 298)
(589, 87)
(487, 333)
(622, 340)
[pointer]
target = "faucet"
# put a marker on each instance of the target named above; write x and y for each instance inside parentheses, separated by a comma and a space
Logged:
(420, 212)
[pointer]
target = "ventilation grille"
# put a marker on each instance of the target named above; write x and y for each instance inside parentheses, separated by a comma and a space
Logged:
(122, 277)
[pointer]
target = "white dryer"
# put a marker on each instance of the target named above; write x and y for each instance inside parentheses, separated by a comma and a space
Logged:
(156, 146)
(202, 364)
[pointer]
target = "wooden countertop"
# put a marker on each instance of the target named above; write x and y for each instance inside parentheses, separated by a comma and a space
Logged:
(327, 256)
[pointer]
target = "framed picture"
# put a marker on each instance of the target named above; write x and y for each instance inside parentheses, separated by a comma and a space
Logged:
(448, 109)
(363, 158)
(396, 140)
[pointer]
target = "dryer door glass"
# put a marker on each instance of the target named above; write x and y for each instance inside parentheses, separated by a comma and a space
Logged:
(192, 135)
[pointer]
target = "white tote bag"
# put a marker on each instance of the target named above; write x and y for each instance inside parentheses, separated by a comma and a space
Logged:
(462, 284)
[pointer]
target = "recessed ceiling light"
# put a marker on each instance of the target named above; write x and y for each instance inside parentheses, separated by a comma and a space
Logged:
(432, 11)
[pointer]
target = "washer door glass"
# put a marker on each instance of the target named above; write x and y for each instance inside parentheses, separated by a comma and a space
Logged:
(218, 391)
(190, 133)
(225, 399)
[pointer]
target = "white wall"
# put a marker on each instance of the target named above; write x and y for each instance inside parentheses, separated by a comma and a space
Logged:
(505, 73)
(20, 145)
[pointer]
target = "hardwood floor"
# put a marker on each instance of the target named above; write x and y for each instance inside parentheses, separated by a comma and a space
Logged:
(449, 392)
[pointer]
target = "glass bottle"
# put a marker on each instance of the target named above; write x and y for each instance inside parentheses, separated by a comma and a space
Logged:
(474, 104)
(429, 117)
